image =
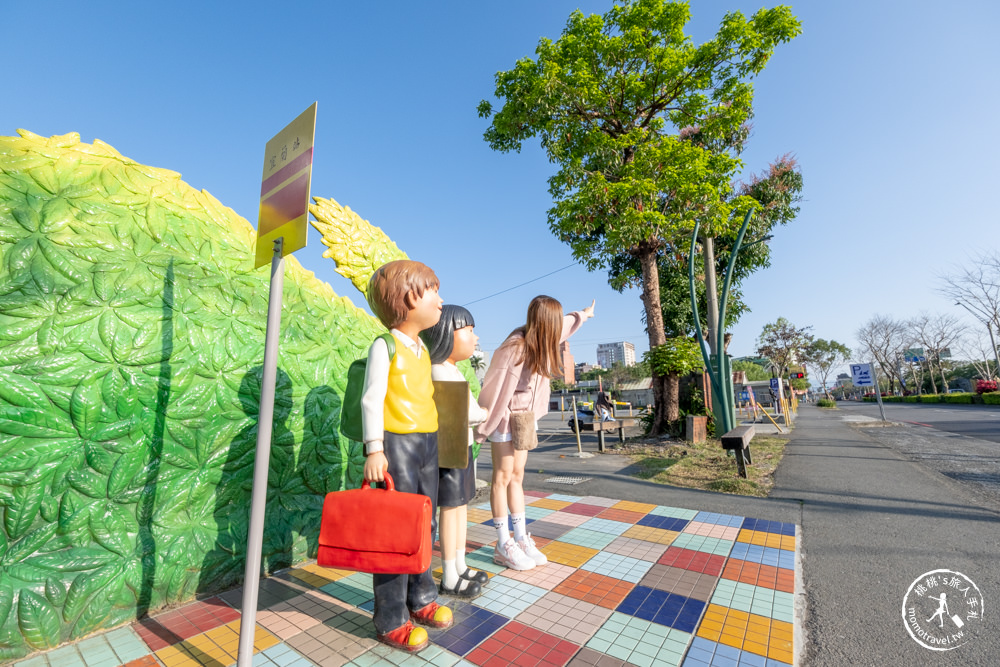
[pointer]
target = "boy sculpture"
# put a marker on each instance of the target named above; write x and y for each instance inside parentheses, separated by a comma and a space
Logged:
(400, 432)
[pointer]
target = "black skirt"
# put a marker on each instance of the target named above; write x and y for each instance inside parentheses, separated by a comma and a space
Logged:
(456, 486)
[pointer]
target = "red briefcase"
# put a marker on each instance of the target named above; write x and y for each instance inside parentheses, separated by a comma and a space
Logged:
(375, 530)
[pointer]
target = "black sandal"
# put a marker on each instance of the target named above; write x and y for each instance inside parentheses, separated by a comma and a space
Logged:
(478, 576)
(463, 589)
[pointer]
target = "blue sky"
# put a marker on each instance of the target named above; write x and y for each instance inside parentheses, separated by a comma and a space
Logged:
(889, 106)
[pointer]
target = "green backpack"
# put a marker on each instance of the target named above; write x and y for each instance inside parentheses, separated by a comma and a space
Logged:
(351, 424)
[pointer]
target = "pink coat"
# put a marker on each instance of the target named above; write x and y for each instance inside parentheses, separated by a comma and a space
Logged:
(507, 387)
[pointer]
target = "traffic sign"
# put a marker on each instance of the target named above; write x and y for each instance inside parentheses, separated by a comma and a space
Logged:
(861, 375)
(284, 189)
(774, 383)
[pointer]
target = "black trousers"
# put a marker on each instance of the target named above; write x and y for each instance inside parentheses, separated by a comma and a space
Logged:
(413, 464)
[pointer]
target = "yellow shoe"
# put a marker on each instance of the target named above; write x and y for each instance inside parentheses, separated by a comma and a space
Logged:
(433, 615)
(406, 638)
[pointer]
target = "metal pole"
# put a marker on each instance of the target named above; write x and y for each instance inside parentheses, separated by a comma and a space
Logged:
(993, 344)
(878, 393)
(576, 420)
(255, 537)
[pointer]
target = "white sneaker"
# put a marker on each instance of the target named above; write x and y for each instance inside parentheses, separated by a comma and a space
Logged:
(511, 556)
(531, 551)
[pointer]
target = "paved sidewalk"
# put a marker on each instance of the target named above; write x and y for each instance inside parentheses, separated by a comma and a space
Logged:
(628, 583)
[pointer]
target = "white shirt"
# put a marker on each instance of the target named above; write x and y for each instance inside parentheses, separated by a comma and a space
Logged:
(376, 387)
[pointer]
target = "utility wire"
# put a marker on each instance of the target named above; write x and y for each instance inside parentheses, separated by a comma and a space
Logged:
(521, 285)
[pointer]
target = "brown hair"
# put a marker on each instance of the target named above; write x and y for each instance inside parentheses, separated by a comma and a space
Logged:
(540, 346)
(394, 287)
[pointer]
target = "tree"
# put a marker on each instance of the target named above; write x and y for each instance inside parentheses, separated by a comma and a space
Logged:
(823, 356)
(754, 372)
(675, 358)
(607, 101)
(784, 344)
(935, 334)
(882, 339)
(977, 290)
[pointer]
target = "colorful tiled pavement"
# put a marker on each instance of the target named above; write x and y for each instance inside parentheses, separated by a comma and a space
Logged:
(627, 584)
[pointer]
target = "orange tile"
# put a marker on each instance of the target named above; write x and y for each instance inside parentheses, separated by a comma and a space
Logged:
(649, 534)
(546, 503)
(625, 516)
(643, 508)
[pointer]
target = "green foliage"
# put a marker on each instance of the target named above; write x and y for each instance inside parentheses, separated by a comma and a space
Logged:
(755, 372)
(911, 399)
(678, 356)
(958, 398)
(824, 355)
(826, 403)
(783, 343)
(133, 329)
(992, 398)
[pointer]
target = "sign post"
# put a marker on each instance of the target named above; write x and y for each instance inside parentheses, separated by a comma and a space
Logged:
(281, 229)
(863, 375)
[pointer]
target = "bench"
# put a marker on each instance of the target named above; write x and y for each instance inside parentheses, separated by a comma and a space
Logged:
(619, 424)
(738, 440)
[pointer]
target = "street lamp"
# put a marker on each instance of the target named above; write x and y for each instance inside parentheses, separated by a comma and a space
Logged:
(989, 328)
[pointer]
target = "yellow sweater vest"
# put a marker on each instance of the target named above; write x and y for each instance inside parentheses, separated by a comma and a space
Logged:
(409, 400)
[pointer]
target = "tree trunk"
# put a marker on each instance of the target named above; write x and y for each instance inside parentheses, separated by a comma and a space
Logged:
(654, 330)
(672, 394)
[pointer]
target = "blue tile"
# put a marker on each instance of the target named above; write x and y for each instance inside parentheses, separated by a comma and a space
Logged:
(748, 659)
(663, 522)
(727, 651)
(471, 626)
(663, 608)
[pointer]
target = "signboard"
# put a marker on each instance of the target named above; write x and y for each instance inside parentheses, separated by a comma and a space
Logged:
(284, 188)
(861, 375)
(744, 396)
(914, 355)
(774, 384)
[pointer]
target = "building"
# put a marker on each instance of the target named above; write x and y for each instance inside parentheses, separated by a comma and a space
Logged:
(569, 368)
(609, 354)
(585, 367)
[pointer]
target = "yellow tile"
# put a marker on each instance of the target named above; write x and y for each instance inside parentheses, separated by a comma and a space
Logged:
(478, 516)
(712, 635)
(731, 640)
(648, 534)
(755, 647)
(784, 655)
(782, 629)
(568, 554)
(746, 535)
(757, 637)
(629, 506)
(737, 616)
(710, 624)
(788, 542)
(548, 504)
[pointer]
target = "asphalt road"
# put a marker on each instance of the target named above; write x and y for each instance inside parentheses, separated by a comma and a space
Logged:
(876, 516)
(975, 421)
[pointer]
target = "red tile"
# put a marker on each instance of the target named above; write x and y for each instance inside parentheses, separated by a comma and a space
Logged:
(584, 509)
(537, 494)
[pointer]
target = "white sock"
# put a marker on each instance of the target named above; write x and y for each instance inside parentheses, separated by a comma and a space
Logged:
(520, 525)
(503, 533)
(460, 565)
(449, 574)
